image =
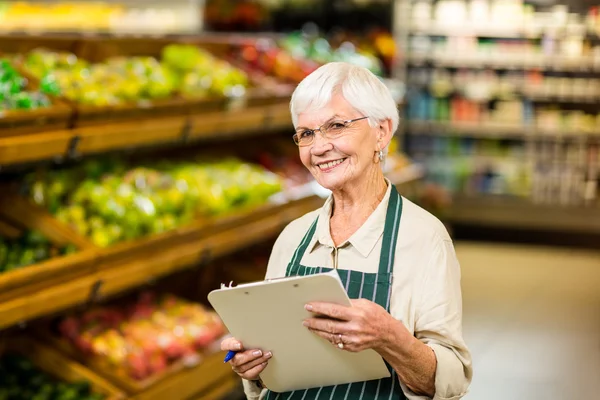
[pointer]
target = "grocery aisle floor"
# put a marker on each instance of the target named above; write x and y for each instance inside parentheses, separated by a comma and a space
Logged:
(532, 321)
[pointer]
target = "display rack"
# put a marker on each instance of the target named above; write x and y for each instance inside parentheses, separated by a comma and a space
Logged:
(502, 110)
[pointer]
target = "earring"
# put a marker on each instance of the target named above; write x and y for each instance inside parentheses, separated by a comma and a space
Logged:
(380, 155)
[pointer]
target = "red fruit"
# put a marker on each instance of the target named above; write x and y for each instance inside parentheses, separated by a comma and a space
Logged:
(142, 311)
(83, 344)
(150, 347)
(205, 338)
(175, 350)
(138, 367)
(69, 327)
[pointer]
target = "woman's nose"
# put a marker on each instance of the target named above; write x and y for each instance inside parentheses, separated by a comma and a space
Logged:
(320, 144)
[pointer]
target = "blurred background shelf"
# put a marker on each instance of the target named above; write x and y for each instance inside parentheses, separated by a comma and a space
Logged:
(495, 131)
(490, 211)
(508, 61)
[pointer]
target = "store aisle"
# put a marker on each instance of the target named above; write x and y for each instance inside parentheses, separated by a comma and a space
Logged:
(532, 321)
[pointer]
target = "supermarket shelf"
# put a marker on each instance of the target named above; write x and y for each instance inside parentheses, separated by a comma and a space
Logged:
(116, 273)
(540, 96)
(518, 213)
(492, 130)
(507, 61)
(501, 32)
(58, 145)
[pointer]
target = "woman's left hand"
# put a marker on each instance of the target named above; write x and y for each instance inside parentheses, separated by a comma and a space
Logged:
(365, 325)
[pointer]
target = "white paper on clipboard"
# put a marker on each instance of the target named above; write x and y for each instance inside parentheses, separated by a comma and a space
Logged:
(268, 315)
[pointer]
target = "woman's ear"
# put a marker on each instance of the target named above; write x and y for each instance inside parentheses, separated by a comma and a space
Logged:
(385, 133)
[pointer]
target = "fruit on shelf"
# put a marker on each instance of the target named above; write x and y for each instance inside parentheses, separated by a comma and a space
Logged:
(13, 90)
(183, 69)
(21, 379)
(297, 55)
(142, 338)
(199, 73)
(110, 202)
(30, 248)
(117, 80)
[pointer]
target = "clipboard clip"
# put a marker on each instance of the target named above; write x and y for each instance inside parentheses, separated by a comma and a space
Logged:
(224, 286)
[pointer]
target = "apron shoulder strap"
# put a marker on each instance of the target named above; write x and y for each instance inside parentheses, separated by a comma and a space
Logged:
(301, 249)
(390, 232)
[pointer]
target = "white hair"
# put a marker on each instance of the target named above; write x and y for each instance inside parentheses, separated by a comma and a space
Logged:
(365, 92)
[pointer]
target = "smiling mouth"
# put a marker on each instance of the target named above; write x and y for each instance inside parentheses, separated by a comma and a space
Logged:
(330, 164)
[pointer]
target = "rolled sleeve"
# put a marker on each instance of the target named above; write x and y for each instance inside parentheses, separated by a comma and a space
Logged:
(439, 323)
(252, 391)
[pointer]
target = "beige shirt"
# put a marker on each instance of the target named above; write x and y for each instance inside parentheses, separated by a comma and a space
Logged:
(426, 292)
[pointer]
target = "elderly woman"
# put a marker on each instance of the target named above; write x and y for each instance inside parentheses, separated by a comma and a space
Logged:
(396, 259)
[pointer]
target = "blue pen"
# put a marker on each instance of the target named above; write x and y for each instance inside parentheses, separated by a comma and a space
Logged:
(229, 355)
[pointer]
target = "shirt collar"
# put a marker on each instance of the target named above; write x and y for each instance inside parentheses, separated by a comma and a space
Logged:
(364, 239)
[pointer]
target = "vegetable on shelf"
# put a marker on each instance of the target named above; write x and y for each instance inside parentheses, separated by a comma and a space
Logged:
(144, 337)
(13, 90)
(109, 201)
(184, 69)
(21, 379)
(30, 248)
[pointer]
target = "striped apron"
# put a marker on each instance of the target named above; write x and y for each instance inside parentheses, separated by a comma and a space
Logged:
(375, 287)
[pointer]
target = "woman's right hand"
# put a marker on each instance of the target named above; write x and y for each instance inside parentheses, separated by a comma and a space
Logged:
(248, 364)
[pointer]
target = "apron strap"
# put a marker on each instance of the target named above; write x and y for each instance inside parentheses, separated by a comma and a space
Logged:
(293, 265)
(388, 245)
(390, 232)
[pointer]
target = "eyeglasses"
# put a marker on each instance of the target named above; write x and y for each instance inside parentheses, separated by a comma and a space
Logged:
(329, 130)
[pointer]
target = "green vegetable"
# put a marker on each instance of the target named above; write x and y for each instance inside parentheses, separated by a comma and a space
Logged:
(109, 203)
(21, 380)
(29, 249)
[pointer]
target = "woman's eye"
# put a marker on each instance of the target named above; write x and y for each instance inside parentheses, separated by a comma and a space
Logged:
(337, 126)
(305, 134)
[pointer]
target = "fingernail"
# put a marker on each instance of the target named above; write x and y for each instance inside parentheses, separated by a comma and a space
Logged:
(269, 355)
(304, 323)
(257, 353)
(308, 307)
(238, 346)
(264, 364)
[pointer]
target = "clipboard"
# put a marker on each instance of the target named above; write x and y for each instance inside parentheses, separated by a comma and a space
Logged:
(268, 315)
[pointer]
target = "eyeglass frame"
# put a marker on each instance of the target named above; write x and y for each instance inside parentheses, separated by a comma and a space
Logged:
(297, 141)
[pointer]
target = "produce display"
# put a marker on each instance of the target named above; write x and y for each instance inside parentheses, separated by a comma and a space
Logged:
(146, 336)
(298, 54)
(198, 73)
(13, 90)
(109, 201)
(182, 70)
(20, 379)
(31, 248)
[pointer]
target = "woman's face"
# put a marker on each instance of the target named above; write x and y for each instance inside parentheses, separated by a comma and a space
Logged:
(337, 162)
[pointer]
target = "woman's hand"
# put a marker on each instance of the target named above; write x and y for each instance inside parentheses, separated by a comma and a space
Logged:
(248, 364)
(365, 325)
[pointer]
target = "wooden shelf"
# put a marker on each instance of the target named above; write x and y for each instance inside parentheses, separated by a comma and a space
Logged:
(117, 271)
(522, 214)
(58, 145)
(492, 130)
